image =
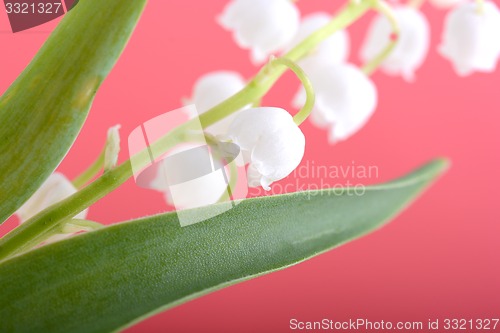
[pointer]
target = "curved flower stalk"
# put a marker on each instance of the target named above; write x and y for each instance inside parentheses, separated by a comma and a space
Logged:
(263, 26)
(345, 99)
(271, 140)
(346, 96)
(471, 37)
(334, 49)
(271, 144)
(411, 47)
(210, 90)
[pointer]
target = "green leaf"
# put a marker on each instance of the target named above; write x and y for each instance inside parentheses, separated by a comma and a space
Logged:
(43, 111)
(108, 279)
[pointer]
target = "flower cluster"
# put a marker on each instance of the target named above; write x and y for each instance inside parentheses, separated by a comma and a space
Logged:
(338, 84)
(343, 97)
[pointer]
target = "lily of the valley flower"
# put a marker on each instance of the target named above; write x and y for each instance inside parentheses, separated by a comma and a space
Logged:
(263, 26)
(411, 47)
(335, 49)
(56, 188)
(213, 88)
(471, 37)
(345, 99)
(189, 163)
(271, 140)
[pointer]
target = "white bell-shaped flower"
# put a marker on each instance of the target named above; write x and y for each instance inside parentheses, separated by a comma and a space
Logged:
(345, 99)
(471, 37)
(212, 89)
(443, 4)
(198, 188)
(263, 26)
(274, 143)
(56, 188)
(334, 49)
(412, 44)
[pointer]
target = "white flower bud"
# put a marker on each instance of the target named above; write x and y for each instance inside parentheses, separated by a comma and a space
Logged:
(56, 188)
(273, 142)
(443, 4)
(212, 89)
(471, 37)
(334, 49)
(345, 99)
(112, 148)
(411, 47)
(263, 26)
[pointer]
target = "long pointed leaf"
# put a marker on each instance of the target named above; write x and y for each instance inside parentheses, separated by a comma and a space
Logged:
(105, 280)
(44, 109)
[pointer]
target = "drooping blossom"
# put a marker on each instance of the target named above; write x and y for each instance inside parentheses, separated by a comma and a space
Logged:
(345, 99)
(263, 26)
(471, 37)
(273, 143)
(412, 43)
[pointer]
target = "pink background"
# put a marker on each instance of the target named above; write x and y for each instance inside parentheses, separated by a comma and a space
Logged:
(439, 259)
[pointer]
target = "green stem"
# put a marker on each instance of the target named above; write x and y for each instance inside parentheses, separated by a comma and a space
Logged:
(233, 178)
(306, 83)
(257, 103)
(29, 232)
(384, 9)
(91, 171)
(72, 226)
(33, 231)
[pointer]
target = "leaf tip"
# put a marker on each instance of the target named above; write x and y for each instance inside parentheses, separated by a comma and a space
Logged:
(440, 165)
